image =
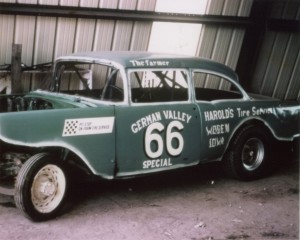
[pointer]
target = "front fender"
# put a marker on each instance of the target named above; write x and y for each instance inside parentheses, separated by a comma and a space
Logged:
(93, 140)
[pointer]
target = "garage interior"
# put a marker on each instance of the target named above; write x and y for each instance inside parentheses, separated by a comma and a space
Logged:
(259, 39)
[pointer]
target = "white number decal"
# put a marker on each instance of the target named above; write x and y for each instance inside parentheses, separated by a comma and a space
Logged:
(173, 136)
(156, 138)
(153, 137)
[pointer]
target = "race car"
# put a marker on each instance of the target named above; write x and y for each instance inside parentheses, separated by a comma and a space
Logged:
(125, 114)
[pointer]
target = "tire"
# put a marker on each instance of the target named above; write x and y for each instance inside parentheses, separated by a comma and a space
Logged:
(41, 187)
(248, 156)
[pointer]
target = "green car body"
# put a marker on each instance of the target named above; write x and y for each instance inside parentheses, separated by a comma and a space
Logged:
(151, 113)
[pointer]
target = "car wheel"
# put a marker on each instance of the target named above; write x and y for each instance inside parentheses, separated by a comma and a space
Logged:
(41, 187)
(249, 154)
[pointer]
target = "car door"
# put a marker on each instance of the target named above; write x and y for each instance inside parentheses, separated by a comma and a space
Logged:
(160, 129)
(222, 106)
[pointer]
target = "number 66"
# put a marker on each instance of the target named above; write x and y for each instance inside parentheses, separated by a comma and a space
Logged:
(152, 137)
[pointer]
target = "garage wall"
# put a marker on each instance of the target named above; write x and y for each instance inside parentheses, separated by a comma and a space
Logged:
(223, 44)
(45, 38)
(277, 71)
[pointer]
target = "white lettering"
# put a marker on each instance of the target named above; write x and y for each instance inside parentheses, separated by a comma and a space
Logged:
(157, 163)
(218, 114)
(157, 116)
(261, 111)
(243, 113)
(145, 122)
(149, 63)
(218, 129)
(177, 115)
(215, 142)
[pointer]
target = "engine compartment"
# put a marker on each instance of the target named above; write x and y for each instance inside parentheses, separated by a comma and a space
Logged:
(17, 103)
(11, 163)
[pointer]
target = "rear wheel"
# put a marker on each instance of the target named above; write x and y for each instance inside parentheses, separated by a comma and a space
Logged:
(248, 156)
(41, 187)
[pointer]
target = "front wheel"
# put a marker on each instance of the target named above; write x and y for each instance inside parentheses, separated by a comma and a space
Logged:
(41, 187)
(249, 154)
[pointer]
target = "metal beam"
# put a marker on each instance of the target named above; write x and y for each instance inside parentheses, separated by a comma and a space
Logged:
(117, 14)
(253, 40)
(16, 71)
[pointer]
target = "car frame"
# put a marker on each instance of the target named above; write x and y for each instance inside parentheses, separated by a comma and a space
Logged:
(126, 114)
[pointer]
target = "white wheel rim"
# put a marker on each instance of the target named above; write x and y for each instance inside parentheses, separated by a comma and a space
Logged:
(253, 154)
(48, 188)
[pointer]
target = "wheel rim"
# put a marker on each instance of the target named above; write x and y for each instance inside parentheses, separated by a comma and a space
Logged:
(48, 188)
(253, 154)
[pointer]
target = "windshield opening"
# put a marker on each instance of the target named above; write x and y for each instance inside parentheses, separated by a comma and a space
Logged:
(90, 80)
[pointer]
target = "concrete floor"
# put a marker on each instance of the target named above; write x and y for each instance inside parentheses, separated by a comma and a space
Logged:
(195, 204)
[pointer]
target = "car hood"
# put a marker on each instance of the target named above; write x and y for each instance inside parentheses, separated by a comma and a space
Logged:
(42, 100)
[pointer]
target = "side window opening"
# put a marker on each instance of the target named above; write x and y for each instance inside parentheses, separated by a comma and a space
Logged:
(158, 85)
(91, 80)
(210, 87)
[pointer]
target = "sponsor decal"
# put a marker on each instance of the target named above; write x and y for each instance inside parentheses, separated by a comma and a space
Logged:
(229, 113)
(219, 131)
(88, 126)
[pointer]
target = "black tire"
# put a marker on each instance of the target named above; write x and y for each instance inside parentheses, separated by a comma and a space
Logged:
(41, 187)
(248, 156)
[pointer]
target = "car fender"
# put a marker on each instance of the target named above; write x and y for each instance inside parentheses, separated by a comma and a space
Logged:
(47, 129)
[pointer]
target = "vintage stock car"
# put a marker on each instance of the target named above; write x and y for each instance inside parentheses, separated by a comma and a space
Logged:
(126, 114)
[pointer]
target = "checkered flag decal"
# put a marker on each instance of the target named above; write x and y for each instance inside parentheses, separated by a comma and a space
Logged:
(88, 126)
(71, 127)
